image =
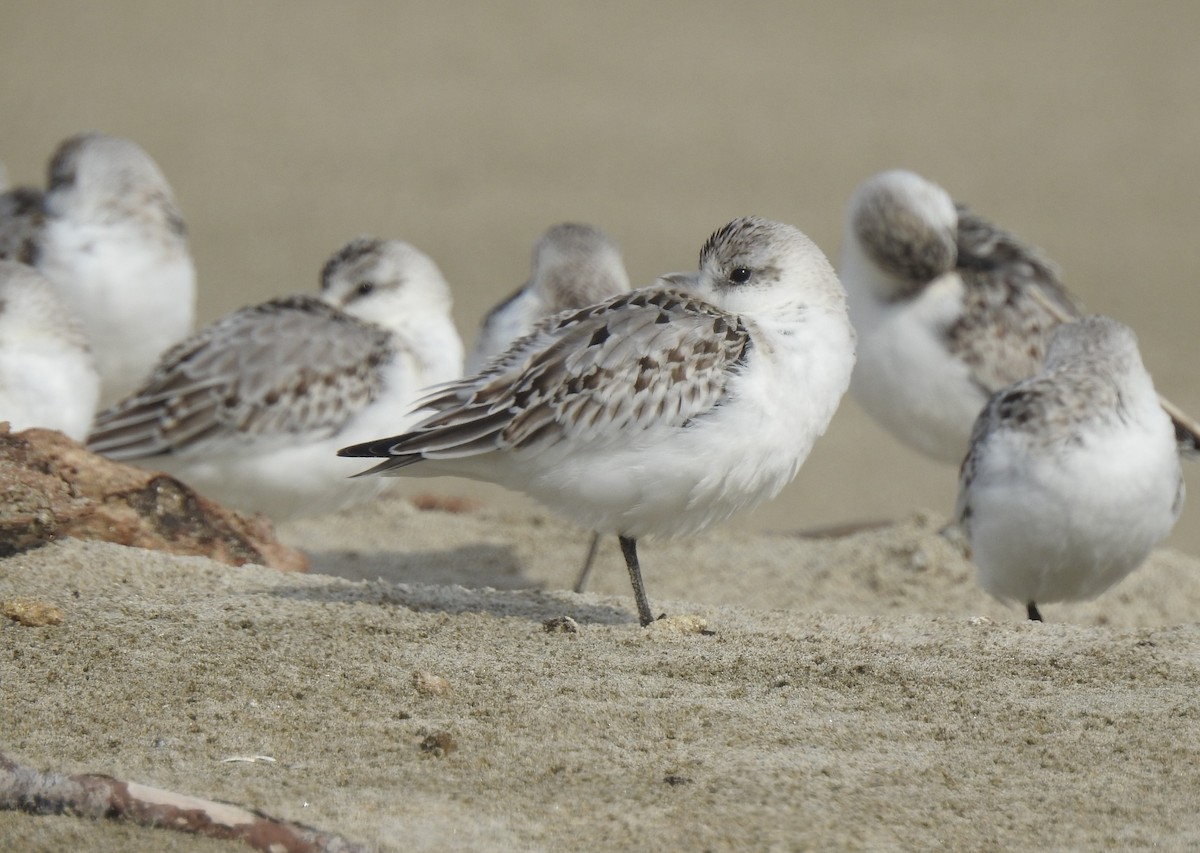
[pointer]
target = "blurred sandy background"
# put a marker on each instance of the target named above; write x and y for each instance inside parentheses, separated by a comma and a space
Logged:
(288, 127)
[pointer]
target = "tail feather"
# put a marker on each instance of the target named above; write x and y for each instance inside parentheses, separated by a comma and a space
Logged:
(388, 465)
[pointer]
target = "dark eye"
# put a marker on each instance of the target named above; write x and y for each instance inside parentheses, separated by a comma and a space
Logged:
(364, 288)
(740, 275)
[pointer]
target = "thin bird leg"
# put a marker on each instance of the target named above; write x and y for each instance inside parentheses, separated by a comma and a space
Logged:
(1032, 610)
(629, 549)
(586, 571)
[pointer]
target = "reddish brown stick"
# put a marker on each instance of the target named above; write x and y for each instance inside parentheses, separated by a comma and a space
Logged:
(98, 796)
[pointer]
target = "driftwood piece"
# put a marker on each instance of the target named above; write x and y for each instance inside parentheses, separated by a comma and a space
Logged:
(54, 487)
(98, 796)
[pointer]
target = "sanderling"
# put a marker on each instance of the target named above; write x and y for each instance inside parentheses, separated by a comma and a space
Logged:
(48, 377)
(1073, 476)
(656, 412)
(941, 302)
(574, 266)
(251, 409)
(949, 309)
(114, 243)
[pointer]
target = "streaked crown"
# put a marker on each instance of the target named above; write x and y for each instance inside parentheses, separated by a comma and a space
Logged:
(369, 277)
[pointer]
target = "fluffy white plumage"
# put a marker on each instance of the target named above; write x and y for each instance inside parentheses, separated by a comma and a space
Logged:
(1073, 476)
(115, 244)
(48, 377)
(251, 409)
(660, 411)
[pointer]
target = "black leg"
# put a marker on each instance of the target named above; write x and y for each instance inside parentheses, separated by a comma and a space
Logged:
(1032, 610)
(629, 549)
(581, 582)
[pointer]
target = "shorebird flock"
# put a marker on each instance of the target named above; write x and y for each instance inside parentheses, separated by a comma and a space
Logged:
(633, 412)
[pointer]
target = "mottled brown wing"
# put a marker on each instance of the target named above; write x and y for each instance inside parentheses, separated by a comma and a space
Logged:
(286, 370)
(649, 358)
(1004, 328)
(21, 219)
(1021, 407)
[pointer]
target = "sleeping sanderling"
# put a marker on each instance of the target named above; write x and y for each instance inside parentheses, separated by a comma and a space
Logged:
(1073, 476)
(949, 309)
(656, 412)
(251, 409)
(574, 266)
(114, 243)
(48, 377)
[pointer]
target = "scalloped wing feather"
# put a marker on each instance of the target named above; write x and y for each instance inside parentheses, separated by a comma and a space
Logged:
(285, 370)
(1004, 329)
(657, 357)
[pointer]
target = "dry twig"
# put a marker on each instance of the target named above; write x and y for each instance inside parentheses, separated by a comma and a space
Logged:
(98, 796)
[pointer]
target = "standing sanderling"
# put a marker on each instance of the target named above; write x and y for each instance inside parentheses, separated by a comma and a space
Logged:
(114, 243)
(251, 409)
(949, 309)
(1073, 476)
(574, 266)
(48, 377)
(656, 412)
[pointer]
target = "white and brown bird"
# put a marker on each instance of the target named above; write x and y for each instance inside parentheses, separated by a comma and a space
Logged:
(48, 377)
(113, 241)
(252, 409)
(949, 309)
(1073, 475)
(658, 412)
(574, 266)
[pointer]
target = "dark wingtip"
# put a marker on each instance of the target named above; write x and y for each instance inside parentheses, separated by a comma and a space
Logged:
(1187, 440)
(377, 447)
(380, 448)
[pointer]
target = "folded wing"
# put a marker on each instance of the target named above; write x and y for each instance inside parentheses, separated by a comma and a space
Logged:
(286, 370)
(647, 359)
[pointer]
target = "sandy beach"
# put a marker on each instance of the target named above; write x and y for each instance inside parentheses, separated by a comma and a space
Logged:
(850, 692)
